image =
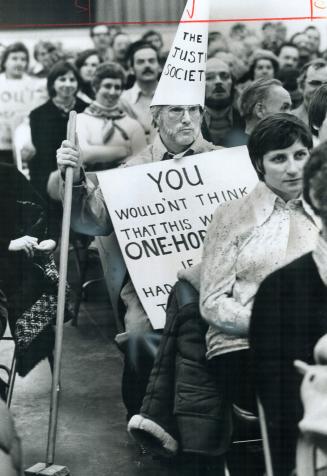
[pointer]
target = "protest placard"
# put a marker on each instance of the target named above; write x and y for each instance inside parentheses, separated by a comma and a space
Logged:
(160, 212)
(17, 98)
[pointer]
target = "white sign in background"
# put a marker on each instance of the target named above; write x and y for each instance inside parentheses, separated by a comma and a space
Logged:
(17, 98)
(160, 212)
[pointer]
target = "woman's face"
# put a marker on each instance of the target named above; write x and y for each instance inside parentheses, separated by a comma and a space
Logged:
(88, 68)
(283, 170)
(263, 69)
(65, 86)
(109, 92)
(16, 65)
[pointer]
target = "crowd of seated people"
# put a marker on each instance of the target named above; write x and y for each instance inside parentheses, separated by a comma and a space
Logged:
(252, 79)
(249, 54)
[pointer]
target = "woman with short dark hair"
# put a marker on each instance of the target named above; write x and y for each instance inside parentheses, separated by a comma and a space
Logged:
(247, 240)
(49, 122)
(49, 128)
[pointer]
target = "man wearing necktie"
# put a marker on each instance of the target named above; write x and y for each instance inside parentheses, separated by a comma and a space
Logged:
(178, 135)
(177, 110)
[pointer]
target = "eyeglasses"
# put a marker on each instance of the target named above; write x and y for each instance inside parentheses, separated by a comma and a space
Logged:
(177, 112)
(224, 76)
(316, 83)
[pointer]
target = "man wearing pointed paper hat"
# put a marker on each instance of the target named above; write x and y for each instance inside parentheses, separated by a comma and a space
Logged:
(177, 109)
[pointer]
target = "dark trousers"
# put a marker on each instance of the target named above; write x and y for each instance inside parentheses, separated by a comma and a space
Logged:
(233, 373)
(140, 352)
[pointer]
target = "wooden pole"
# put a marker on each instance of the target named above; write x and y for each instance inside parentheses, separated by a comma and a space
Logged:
(64, 247)
(265, 440)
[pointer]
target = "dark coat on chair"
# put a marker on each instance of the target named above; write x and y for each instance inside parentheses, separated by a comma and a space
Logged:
(289, 316)
(22, 213)
(181, 395)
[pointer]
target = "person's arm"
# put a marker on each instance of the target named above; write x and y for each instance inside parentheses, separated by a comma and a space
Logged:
(105, 154)
(98, 154)
(89, 212)
(218, 274)
(137, 138)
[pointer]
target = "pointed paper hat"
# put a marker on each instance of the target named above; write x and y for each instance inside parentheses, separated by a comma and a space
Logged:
(182, 80)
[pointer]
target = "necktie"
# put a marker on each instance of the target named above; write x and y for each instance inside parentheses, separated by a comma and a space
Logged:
(169, 155)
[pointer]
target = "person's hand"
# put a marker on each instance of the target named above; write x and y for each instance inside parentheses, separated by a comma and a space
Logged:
(45, 246)
(27, 152)
(69, 155)
(25, 243)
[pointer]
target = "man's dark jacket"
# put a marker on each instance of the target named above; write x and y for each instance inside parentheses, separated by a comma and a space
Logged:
(289, 316)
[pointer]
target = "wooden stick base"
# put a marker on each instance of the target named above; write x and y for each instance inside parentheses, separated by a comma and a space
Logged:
(42, 469)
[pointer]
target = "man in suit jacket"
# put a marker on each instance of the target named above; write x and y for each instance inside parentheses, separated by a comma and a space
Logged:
(288, 318)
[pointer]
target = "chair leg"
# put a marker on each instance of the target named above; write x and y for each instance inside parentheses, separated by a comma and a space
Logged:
(82, 264)
(11, 382)
(265, 441)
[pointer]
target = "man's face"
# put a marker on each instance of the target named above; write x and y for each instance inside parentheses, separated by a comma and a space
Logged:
(302, 43)
(179, 126)
(288, 57)
(313, 39)
(120, 46)
(146, 66)
(277, 100)
(16, 64)
(314, 79)
(43, 56)
(101, 37)
(155, 41)
(269, 34)
(218, 84)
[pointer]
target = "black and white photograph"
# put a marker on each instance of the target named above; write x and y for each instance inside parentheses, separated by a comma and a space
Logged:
(163, 238)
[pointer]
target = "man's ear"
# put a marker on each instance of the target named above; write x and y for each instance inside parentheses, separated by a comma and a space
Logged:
(259, 110)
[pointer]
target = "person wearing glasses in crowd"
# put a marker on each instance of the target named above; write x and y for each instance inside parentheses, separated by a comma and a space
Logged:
(178, 127)
(101, 36)
(314, 74)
